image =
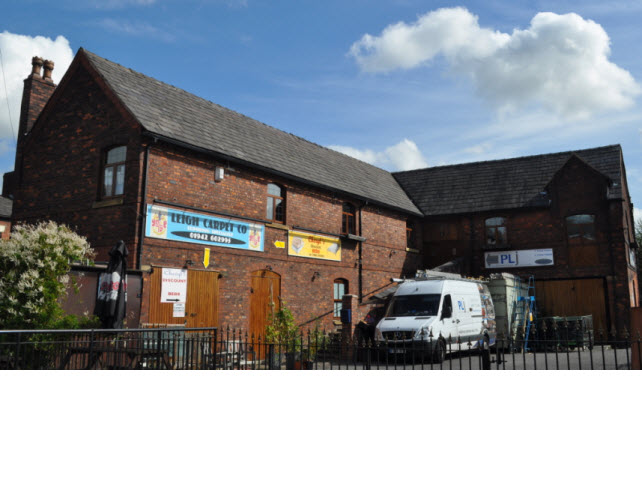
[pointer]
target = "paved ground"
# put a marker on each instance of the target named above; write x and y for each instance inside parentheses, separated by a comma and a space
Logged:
(599, 358)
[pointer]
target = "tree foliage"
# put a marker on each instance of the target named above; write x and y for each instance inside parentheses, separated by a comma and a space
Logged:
(34, 275)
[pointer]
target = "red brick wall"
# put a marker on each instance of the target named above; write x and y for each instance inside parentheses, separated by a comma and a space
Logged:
(576, 189)
(182, 177)
(4, 235)
(61, 172)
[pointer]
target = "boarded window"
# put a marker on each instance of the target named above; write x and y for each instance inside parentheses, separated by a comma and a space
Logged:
(581, 227)
(442, 231)
(582, 245)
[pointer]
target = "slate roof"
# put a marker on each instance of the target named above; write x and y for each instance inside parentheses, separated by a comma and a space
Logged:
(5, 207)
(501, 184)
(181, 116)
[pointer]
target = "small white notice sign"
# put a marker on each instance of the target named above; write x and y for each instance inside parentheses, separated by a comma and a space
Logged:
(179, 310)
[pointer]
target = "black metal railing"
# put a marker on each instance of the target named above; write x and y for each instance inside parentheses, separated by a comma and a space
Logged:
(560, 346)
(146, 348)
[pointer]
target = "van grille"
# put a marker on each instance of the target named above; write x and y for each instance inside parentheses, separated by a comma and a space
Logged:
(399, 335)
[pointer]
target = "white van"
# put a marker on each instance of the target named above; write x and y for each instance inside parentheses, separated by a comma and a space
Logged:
(437, 316)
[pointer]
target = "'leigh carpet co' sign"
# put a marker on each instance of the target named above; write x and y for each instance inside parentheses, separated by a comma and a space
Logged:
(182, 226)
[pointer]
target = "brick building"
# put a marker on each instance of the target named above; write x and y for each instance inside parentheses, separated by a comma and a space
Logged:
(254, 214)
(6, 205)
(564, 218)
(118, 155)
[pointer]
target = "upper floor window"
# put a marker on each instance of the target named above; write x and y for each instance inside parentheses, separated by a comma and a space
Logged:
(496, 231)
(411, 234)
(583, 250)
(348, 224)
(340, 289)
(275, 203)
(114, 172)
(581, 227)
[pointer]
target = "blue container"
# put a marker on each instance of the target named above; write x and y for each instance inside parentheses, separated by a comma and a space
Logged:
(346, 316)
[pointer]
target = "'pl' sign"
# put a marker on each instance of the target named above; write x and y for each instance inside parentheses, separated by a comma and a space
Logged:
(541, 257)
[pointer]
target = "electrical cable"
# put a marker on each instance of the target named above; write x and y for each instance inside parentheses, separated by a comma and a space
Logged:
(4, 80)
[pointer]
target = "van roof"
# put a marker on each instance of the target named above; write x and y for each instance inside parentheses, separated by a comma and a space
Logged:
(431, 285)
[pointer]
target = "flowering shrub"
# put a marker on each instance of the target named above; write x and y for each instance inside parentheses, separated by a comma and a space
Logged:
(34, 275)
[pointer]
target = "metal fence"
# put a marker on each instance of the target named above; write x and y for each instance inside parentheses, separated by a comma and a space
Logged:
(163, 348)
(566, 348)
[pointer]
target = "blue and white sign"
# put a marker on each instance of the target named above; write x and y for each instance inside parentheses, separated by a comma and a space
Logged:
(181, 226)
(541, 257)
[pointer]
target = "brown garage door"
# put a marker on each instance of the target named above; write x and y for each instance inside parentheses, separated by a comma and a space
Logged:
(569, 298)
(201, 308)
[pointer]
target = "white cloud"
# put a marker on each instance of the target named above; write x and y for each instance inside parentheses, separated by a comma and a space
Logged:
(136, 29)
(403, 156)
(17, 51)
(559, 63)
(479, 149)
(637, 215)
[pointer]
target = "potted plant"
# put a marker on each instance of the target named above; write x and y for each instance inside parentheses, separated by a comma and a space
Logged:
(282, 337)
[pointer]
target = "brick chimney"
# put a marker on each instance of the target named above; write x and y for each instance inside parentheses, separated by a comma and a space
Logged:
(38, 88)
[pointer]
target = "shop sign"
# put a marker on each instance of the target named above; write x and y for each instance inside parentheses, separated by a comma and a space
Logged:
(182, 226)
(301, 244)
(541, 257)
(174, 285)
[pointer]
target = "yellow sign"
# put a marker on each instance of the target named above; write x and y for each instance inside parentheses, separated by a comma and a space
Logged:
(206, 258)
(301, 244)
(279, 244)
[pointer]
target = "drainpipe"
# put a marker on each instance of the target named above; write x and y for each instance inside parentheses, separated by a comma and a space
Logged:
(360, 248)
(143, 215)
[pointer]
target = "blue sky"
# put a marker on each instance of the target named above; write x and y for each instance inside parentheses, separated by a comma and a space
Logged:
(401, 84)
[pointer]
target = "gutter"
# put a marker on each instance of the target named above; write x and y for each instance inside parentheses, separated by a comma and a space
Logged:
(278, 173)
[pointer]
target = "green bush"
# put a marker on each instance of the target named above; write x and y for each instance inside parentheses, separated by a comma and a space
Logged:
(34, 276)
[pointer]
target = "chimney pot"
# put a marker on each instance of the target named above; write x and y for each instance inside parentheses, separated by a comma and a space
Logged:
(49, 66)
(36, 63)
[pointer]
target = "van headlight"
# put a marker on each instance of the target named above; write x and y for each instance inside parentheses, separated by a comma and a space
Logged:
(423, 333)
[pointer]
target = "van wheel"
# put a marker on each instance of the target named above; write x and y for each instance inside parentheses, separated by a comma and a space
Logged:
(439, 355)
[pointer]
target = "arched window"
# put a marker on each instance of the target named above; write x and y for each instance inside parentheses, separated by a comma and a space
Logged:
(113, 172)
(496, 231)
(275, 203)
(340, 289)
(348, 224)
(581, 228)
(583, 250)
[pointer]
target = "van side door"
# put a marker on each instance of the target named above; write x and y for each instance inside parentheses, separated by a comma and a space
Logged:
(449, 317)
(467, 321)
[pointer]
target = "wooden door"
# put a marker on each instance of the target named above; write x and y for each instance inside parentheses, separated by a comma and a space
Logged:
(201, 308)
(569, 298)
(265, 291)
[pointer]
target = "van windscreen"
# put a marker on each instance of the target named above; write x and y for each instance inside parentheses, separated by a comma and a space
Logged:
(414, 305)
